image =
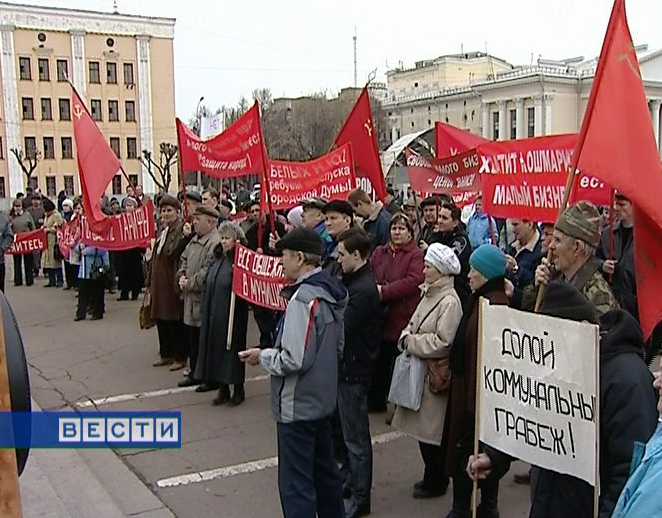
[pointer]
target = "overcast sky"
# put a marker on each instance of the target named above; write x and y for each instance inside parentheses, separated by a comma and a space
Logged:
(226, 48)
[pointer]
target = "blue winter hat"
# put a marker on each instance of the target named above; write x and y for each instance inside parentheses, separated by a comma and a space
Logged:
(489, 261)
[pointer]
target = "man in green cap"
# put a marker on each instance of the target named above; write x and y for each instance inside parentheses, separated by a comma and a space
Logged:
(573, 246)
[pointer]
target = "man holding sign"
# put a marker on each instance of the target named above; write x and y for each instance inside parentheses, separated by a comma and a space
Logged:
(552, 384)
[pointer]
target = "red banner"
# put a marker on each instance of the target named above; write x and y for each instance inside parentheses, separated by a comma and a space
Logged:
(457, 176)
(235, 152)
(330, 177)
(452, 141)
(258, 278)
(27, 242)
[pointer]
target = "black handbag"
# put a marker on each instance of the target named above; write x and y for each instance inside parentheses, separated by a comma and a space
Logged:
(99, 271)
(57, 253)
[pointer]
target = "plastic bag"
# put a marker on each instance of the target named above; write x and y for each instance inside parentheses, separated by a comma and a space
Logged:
(407, 381)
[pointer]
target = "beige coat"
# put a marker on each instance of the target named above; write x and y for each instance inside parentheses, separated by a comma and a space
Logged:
(196, 258)
(429, 334)
(51, 225)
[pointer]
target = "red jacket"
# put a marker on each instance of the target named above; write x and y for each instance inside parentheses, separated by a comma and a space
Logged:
(400, 273)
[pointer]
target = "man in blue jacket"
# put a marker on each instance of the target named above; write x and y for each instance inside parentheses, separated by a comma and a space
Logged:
(304, 379)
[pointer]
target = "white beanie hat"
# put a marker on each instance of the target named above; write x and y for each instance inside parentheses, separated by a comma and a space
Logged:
(68, 203)
(443, 259)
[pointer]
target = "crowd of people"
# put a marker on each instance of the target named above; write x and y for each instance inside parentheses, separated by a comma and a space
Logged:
(370, 281)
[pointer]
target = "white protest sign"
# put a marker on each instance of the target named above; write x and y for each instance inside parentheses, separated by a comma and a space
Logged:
(538, 380)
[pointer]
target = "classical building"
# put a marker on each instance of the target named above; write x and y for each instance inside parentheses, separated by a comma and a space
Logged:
(500, 101)
(122, 66)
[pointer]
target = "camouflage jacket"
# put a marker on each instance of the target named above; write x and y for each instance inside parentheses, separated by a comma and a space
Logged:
(589, 281)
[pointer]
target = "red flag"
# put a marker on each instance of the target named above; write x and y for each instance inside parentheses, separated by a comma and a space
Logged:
(97, 163)
(359, 130)
(452, 141)
(617, 145)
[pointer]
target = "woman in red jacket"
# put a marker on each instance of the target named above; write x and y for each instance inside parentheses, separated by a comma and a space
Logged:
(398, 268)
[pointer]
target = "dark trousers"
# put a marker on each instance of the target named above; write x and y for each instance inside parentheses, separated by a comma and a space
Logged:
(434, 475)
(381, 380)
(266, 322)
(55, 276)
(2, 277)
(90, 296)
(308, 479)
(193, 345)
(70, 274)
(36, 261)
(463, 488)
(23, 262)
(130, 272)
(173, 340)
(353, 411)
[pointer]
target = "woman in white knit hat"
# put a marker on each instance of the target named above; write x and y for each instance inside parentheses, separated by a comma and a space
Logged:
(428, 336)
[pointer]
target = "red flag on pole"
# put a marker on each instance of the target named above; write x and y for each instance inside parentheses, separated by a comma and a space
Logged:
(452, 141)
(617, 145)
(359, 129)
(97, 164)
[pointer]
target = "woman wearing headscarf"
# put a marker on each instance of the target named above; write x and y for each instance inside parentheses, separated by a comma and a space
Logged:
(428, 336)
(398, 268)
(129, 264)
(486, 279)
(218, 364)
(52, 261)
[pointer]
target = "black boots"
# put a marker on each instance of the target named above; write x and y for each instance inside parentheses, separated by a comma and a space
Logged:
(238, 396)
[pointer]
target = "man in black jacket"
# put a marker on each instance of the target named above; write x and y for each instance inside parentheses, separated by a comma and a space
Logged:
(363, 325)
(628, 413)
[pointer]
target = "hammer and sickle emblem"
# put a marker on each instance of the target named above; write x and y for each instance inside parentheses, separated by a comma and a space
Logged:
(78, 111)
(368, 128)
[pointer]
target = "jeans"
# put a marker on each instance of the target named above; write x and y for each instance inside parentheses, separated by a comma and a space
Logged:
(353, 410)
(308, 479)
(55, 276)
(27, 261)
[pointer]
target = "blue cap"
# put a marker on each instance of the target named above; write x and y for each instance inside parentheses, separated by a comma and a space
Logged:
(489, 261)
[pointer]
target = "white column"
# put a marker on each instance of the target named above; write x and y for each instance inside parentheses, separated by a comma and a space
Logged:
(145, 106)
(485, 120)
(655, 108)
(537, 105)
(78, 72)
(12, 118)
(503, 121)
(547, 103)
(519, 107)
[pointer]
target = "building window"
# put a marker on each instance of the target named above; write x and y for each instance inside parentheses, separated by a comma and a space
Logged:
(2, 150)
(62, 70)
(128, 73)
(115, 146)
(117, 184)
(65, 109)
(69, 185)
(429, 122)
(113, 111)
(412, 124)
(28, 108)
(51, 189)
(3, 193)
(24, 69)
(67, 148)
(46, 109)
(111, 73)
(495, 125)
(131, 147)
(44, 72)
(133, 178)
(531, 122)
(49, 148)
(513, 124)
(95, 76)
(130, 109)
(95, 107)
(30, 147)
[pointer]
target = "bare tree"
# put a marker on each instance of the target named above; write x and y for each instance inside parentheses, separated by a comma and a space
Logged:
(167, 157)
(28, 161)
(264, 97)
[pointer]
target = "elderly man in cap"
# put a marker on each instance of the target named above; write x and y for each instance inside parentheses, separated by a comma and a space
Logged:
(191, 277)
(339, 218)
(411, 209)
(313, 218)
(576, 237)
(304, 379)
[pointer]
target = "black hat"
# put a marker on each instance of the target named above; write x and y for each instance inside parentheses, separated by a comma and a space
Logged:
(343, 207)
(193, 195)
(206, 211)
(48, 205)
(314, 203)
(171, 201)
(301, 240)
(563, 300)
(431, 201)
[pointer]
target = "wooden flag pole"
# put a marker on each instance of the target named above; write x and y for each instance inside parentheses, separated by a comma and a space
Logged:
(233, 301)
(479, 360)
(10, 494)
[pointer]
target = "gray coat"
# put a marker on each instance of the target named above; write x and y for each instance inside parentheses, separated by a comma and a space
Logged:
(6, 236)
(304, 361)
(196, 258)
